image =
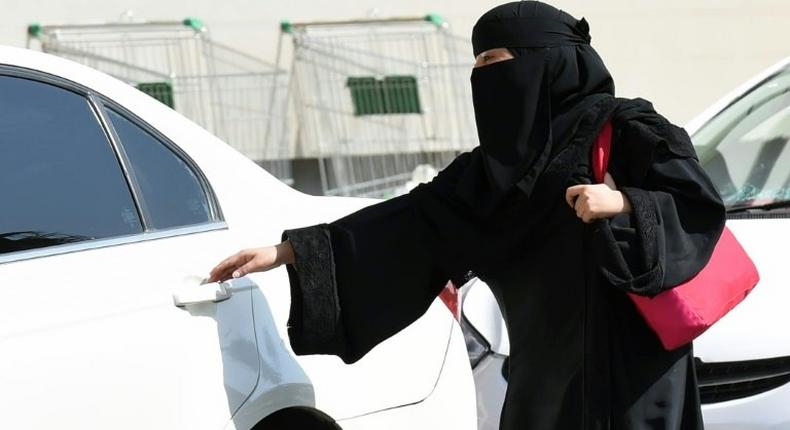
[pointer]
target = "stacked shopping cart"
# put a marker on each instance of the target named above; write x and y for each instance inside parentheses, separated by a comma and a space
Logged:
(379, 99)
(232, 94)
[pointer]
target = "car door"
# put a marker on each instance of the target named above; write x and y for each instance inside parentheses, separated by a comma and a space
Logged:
(104, 224)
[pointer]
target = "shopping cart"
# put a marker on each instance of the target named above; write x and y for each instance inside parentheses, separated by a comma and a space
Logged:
(379, 100)
(230, 93)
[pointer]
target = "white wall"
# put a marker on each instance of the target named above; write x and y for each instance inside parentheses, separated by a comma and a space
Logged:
(681, 54)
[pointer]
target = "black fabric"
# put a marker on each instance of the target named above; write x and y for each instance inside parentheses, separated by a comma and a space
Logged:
(316, 328)
(637, 122)
(367, 262)
(581, 355)
(527, 24)
(672, 221)
(526, 106)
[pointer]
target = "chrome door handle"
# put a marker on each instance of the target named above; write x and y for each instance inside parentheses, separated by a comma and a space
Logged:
(202, 293)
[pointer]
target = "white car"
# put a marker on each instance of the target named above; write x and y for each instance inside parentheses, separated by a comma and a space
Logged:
(743, 362)
(113, 209)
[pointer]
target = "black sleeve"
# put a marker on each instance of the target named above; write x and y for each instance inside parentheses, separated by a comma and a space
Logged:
(677, 217)
(362, 278)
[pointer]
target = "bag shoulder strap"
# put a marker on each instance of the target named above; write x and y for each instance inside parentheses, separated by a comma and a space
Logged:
(600, 152)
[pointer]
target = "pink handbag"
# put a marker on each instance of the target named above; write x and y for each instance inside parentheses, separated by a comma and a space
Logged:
(681, 314)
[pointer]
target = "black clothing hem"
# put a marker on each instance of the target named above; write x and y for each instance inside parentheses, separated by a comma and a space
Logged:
(314, 322)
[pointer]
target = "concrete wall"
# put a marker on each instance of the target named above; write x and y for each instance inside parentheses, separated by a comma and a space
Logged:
(681, 54)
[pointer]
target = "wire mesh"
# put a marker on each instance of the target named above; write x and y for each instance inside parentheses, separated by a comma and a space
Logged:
(228, 92)
(377, 100)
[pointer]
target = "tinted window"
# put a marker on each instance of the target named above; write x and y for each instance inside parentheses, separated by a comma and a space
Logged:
(60, 181)
(172, 193)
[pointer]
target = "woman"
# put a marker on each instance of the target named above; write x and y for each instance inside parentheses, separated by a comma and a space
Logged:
(519, 212)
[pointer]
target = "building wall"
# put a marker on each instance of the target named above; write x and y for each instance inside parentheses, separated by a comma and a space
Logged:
(681, 54)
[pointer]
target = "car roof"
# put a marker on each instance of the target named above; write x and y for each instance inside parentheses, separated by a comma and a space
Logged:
(61, 67)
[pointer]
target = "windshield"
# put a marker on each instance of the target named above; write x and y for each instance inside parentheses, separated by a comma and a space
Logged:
(744, 148)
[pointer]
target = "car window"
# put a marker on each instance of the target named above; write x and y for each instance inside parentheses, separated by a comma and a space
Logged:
(60, 180)
(171, 191)
(745, 149)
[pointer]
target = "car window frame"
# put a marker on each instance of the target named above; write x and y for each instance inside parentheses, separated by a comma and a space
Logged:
(707, 122)
(105, 104)
(99, 104)
(774, 74)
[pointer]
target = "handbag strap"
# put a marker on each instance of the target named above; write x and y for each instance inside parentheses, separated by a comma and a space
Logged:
(600, 152)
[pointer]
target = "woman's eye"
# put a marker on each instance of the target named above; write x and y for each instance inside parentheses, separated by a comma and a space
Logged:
(484, 60)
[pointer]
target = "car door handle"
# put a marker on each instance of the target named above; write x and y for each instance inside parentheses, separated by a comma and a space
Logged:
(194, 293)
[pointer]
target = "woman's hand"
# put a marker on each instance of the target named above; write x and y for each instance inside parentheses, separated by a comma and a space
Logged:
(595, 201)
(252, 260)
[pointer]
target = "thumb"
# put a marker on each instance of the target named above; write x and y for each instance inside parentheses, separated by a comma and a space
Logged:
(572, 193)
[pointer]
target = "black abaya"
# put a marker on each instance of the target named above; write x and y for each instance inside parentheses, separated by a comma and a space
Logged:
(581, 356)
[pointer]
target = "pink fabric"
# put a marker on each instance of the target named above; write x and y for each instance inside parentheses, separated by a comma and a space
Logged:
(601, 151)
(681, 314)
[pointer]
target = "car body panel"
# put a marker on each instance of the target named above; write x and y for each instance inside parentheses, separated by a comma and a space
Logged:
(451, 403)
(482, 310)
(765, 411)
(256, 208)
(491, 388)
(408, 364)
(93, 326)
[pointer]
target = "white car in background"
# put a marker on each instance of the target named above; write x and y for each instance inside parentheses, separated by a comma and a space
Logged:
(114, 208)
(743, 362)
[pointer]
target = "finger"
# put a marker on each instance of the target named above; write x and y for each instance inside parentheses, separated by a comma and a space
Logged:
(215, 274)
(581, 205)
(220, 268)
(571, 200)
(248, 267)
(571, 193)
(223, 275)
(219, 277)
(224, 263)
(229, 264)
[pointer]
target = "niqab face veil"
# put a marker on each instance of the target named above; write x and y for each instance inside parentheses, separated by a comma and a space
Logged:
(526, 107)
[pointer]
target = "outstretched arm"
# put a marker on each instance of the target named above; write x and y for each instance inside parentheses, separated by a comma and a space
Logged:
(360, 279)
(252, 260)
